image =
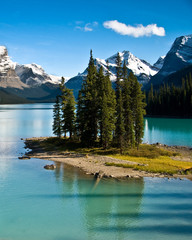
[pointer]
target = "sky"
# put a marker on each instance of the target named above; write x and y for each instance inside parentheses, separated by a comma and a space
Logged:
(58, 35)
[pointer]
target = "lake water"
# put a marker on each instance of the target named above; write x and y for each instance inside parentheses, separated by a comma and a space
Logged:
(36, 204)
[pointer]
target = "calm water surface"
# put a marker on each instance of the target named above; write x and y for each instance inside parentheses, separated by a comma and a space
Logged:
(36, 204)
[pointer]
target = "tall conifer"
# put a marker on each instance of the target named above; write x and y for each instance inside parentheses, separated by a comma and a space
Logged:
(57, 130)
(127, 105)
(119, 129)
(138, 109)
(67, 109)
(106, 108)
(89, 99)
(69, 114)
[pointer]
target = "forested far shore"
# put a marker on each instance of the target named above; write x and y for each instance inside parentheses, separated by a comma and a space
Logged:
(171, 100)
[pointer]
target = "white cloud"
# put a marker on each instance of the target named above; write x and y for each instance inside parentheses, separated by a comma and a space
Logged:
(138, 31)
(88, 27)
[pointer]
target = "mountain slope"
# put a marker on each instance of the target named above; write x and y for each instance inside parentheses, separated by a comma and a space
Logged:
(34, 75)
(9, 98)
(176, 78)
(25, 83)
(8, 76)
(179, 56)
(159, 63)
(142, 69)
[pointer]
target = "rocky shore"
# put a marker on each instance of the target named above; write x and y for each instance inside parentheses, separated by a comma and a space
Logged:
(96, 164)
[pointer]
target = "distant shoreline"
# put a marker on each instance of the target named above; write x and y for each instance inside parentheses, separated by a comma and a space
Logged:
(96, 164)
(166, 116)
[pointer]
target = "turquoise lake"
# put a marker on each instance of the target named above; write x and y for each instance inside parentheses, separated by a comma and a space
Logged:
(36, 204)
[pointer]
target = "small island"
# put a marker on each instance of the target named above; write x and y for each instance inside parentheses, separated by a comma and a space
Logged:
(154, 160)
(102, 132)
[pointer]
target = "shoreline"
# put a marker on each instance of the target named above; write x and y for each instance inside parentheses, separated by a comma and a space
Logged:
(96, 164)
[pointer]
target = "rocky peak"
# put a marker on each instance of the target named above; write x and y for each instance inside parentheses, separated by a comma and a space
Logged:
(159, 63)
(34, 75)
(178, 57)
(8, 77)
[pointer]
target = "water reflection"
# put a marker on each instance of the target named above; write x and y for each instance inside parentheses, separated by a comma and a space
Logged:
(168, 131)
(67, 204)
(104, 204)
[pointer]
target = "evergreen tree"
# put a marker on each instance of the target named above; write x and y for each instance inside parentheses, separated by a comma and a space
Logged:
(138, 109)
(57, 118)
(69, 114)
(67, 109)
(118, 74)
(64, 93)
(106, 108)
(127, 105)
(80, 122)
(89, 102)
(120, 130)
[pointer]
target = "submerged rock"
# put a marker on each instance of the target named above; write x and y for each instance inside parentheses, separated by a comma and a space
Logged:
(24, 157)
(50, 167)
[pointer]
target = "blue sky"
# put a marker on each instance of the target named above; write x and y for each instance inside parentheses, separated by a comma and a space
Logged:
(58, 35)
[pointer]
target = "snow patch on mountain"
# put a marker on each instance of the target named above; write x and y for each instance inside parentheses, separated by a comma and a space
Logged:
(142, 69)
(3, 50)
(34, 75)
(178, 57)
(159, 63)
(5, 61)
(8, 77)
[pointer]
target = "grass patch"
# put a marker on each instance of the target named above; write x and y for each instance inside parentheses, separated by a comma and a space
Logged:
(162, 164)
(149, 151)
(149, 158)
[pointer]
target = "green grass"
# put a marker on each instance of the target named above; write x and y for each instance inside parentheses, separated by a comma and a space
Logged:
(149, 158)
(162, 164)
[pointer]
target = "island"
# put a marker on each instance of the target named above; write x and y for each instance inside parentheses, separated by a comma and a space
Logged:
(151, 160)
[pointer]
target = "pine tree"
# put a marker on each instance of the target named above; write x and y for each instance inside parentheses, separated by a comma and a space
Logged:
(89, 99)
(106, 108)
(138, 110)
(67, 109)
(120, 130)
(57, 118)
(80, 122)
(127, 103)
(69, 114)
(118, 73)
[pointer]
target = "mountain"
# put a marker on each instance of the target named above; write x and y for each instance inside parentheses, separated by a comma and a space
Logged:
(9, 98)
(176, 77)
(34, 75)
(159, 63)
(8, 76)
(178, 57)
(25, 83)
(142, 69)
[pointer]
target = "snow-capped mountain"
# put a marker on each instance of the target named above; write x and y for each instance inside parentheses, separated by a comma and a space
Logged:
(8, 76)
(34, 75)
(178, 57)
(22, 76)
(142, 69)
(25, 83)
(159, 63)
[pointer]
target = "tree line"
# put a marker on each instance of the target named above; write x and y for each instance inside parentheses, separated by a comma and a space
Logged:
(171, 100)
(102, 116)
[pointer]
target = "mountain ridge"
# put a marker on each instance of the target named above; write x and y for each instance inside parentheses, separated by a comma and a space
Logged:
(179, 56)
(141, 68)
